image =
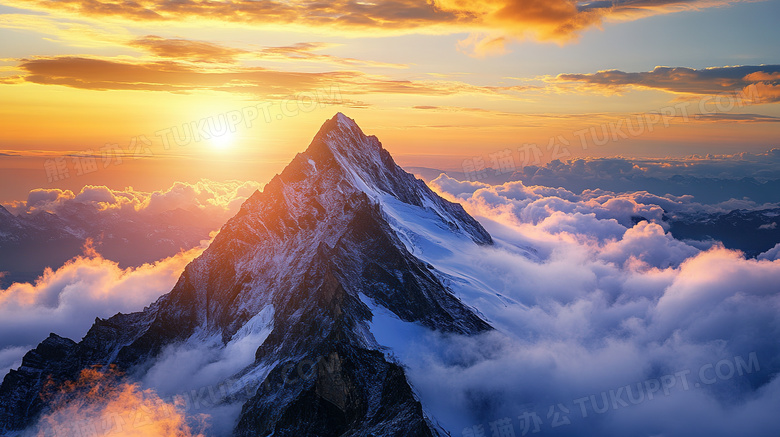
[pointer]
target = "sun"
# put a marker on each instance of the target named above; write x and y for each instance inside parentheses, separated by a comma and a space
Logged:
(223, 141)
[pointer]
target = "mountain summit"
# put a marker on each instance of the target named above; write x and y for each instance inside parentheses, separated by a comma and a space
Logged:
(341, 149)
(294, 275)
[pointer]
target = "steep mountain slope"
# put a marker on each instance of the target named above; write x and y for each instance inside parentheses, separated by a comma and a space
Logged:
(290, 273)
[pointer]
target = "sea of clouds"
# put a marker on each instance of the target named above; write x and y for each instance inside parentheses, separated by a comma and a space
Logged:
(612, 328)
(216, 198)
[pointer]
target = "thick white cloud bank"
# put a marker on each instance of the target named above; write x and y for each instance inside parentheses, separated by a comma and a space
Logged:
(67, 300)
(215, 198)
(605, 324)
(534, 203)
(603, 327)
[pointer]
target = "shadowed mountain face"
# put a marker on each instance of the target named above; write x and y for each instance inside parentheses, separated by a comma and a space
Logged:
(298, 263)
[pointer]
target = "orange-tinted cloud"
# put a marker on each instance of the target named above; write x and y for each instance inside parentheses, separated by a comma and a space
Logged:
(499, 20)
(305, 52)
(545, 20)
(762, 82)
(175, 76)
(202, 51)
(102, 403)
(762, 76)
(339, 14)
(106, 74)
(196, 51)
(737, 118)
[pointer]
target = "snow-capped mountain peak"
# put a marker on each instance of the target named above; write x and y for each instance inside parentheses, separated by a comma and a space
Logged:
(350, 161)
(290, 276)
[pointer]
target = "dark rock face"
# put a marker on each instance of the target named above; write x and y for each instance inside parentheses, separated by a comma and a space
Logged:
(55, 357)
(316, 239)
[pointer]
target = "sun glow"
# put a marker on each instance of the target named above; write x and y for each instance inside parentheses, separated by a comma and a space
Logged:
(223, 142)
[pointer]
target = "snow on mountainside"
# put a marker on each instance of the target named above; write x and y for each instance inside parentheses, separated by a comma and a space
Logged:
(293, 278)
(371, 169)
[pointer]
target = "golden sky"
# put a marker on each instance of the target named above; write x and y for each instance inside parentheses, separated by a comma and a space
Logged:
(145, 92)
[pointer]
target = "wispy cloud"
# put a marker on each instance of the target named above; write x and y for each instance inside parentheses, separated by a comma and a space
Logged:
(765, 80)
(738, 118)
(195, 51)
(202, 51)
(492, 23)
(96, 73)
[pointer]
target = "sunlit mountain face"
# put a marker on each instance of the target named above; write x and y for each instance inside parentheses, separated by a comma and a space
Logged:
(389, 218)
